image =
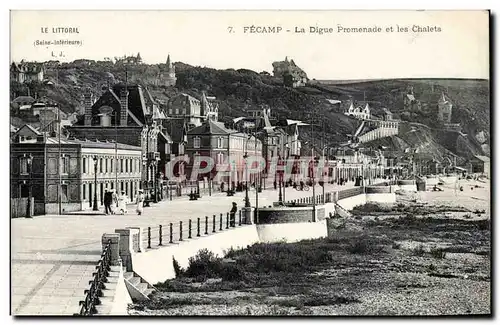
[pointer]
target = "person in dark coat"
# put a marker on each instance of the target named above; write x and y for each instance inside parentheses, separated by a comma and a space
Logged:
(108, 200)
(232, 215)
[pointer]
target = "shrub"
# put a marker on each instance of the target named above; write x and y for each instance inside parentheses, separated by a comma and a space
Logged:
(438, 253)
(204, 264)
(177, 268)
(419, 250)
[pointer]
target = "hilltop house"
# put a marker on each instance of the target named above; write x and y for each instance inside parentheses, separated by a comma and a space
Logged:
(26, 72)
(292, 75)
(444, 109)
(359, 112)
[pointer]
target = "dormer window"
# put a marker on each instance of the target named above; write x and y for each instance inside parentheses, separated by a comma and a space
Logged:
(196, 142)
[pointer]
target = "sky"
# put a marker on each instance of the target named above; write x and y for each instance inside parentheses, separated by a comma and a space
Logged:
(218, 39)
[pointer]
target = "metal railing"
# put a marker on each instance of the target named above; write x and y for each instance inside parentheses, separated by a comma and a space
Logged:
(179, 231)
(92, 295)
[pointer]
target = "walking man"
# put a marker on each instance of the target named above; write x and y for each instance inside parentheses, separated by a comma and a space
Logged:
(232, 215)
(108, 199)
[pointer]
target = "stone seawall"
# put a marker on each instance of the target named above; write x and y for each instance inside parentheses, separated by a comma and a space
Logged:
(291, 214)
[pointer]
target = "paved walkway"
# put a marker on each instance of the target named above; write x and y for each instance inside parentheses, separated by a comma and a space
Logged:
(53, 256)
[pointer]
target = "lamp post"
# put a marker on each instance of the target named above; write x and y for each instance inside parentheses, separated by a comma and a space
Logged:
(247, 199)
(95, 208)
(153, 173)
(280, 180)
(29, 163)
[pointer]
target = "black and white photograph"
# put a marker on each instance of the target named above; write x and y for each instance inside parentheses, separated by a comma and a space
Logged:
(250, 163)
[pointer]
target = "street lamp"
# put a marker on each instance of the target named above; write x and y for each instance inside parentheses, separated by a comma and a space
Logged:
(29, 161)
(280, 181)
(94, 208)
(155, 182)
(247, 199)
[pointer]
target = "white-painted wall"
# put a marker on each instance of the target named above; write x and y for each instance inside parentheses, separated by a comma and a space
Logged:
(381, 197)
(121, 299)
(291, 232)
(156, 265)
(350, 202)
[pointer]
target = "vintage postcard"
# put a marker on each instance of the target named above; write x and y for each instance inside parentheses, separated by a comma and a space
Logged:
(244, 163)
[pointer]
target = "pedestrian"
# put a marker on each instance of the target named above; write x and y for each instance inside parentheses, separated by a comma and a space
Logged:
(140, 202)
(232, 215)
(114, 201)
(275, 184)
(108, 199)
(122, 203)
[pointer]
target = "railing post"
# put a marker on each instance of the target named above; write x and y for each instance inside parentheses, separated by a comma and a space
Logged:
(189, 229)
(213, 223)
(239, 221)
(206, 225)
(227, 220)
(220, 222)
(198, 227)
(161, 235)
(180, 230)
(149, 237)
(171, 233)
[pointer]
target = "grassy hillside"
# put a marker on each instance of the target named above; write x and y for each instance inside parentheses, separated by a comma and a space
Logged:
(239, 90)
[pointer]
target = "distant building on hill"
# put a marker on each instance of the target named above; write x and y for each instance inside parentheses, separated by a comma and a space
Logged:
(292, 75)
(129, 59)
(445, 108)
(409, 100)
(26, 71)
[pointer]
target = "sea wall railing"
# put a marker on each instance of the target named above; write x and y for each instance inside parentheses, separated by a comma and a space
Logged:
(97, 284)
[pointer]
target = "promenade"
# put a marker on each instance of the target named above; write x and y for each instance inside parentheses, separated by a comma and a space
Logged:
(53, 256)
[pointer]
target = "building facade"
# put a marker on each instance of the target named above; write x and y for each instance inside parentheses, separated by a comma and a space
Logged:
(128, 114)
(26, 72)
(445, 108)
(62, 176)
(227, 148)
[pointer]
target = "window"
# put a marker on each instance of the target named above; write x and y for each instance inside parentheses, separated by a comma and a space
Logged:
(23, 166)
(64, 165)
(100, 165)
(106, 165)
(131, 161)
(196, 142)
(220, 158)
(84, 166)
(121, 165)
(220, 142)
(64, 193)
(84, 192)
(126, 165)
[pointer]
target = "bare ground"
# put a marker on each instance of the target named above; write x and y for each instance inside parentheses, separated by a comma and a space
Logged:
(436, 263)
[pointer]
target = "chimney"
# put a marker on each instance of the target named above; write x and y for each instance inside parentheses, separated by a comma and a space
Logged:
(123, 106)
(87, 103)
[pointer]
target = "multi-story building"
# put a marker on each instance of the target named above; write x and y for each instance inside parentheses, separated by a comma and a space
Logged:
(359, 112)
(445, 108)
(292, 75)
(26, 72)
(227, 148)
(63, 174)
(193, 111)
(128, 114)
